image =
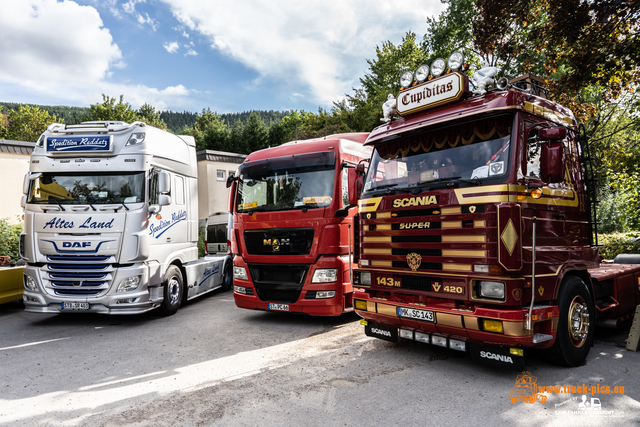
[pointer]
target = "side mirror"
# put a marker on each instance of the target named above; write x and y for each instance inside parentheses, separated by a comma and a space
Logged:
(164, 183)
(23, 201)
(553, 134)
(164, 199)
(355, 183)
(552, 162)
(230, 179)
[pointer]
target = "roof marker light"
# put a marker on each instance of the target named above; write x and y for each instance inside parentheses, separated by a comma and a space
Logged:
(406, 79)
(456, 61)
(422, 73)
(437, 68)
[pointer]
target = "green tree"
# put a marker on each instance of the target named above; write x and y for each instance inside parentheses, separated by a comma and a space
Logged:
(27, 123)
(255, 134)
(10, 239)
(147, 114)
(110, 110)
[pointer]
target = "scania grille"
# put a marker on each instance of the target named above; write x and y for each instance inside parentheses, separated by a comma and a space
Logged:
(78, 276)
(278, 282)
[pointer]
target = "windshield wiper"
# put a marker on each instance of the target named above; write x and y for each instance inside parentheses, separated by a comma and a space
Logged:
(475, 181)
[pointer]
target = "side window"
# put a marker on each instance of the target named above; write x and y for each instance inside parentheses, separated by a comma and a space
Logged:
(179, 190)
(153, 188)
(533, 155)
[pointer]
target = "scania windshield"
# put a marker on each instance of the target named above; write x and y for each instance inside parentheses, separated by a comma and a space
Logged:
(291, 182)
(81, 188)
(467, 154)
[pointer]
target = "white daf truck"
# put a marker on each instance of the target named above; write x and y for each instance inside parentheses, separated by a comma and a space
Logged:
(111, 222)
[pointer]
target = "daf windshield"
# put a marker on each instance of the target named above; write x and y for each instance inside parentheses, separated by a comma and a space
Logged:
(466, 154)
(284, 183)
(80, 188)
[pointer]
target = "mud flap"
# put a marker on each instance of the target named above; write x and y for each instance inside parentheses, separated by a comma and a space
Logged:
(496, 356)
(383, 332)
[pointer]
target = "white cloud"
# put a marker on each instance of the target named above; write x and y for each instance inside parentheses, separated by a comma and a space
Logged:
(147, 20)
(45, 43)
(322, 44)
(57, 53)
(130, 6)
(191, 52)
(172, 47)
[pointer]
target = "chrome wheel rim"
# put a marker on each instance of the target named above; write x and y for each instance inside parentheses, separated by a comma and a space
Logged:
(174, 290)
(578, 321)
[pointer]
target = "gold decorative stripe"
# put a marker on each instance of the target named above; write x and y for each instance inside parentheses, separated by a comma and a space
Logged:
(376, 251)
(376, 239)
(381, 263)
(365, 228)
(369, 205)
(548, 113)
(381, 215)
(371, 306)
(383, 227)
(456, 267)
(471, 322)
(506, 193)
(464, 252)
(464, 239)
(389, 310)
(449, 319)
(480, 223)
(486, 194)
(451, 211)
(451, 224)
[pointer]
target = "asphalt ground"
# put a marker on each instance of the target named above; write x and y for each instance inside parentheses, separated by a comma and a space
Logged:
(213, 364)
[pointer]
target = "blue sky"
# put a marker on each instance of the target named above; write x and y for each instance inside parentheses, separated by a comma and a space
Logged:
(229, 56)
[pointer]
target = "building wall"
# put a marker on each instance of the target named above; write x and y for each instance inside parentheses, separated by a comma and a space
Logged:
(14, 164)
(213, 170)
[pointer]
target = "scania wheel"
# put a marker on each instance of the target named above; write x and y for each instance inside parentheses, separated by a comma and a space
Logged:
(576, 323)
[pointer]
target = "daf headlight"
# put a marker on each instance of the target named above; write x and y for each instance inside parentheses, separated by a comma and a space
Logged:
(490, 289)
(456, 60)
(438, 66)
(136, 138)
(240, 273)
(129, 284)
(325, 275)
(30, 284)
(422, 73)
(406, 79)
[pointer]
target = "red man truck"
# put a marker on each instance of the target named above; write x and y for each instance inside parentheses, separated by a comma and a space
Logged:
(292, 225)
(463, 195)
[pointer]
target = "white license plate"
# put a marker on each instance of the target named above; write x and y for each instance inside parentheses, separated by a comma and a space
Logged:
(412, 313)
(279, 307)
(75, 306)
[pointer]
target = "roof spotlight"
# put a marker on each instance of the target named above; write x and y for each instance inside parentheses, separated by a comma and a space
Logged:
(456, 60)
(406, 79)
(422, 73)
(438, 66)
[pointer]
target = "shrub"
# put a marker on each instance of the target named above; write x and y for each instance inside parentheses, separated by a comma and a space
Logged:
(618, 243)
(10, 239)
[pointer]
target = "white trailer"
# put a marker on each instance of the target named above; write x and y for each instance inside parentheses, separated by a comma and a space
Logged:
(111, 222)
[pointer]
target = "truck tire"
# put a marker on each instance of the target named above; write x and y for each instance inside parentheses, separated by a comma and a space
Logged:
(576, 324)
(173, 290)
(227, 277)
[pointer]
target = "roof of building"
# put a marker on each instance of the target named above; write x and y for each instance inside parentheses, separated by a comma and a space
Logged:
(16, 147)
(220, 156)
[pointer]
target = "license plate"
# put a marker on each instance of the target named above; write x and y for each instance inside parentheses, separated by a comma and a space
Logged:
(279, 307)
(75, 306)
(413, 313)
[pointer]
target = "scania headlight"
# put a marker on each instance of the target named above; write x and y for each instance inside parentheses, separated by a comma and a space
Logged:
(240, 273)
(422, 73)
(325, 275)
(365, 278)
(406, 79)
(29, 283)
(455, 61)
(493, 290)
(438, 66)
(129, 284)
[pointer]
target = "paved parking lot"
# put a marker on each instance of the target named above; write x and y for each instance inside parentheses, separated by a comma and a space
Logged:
(215, 364)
